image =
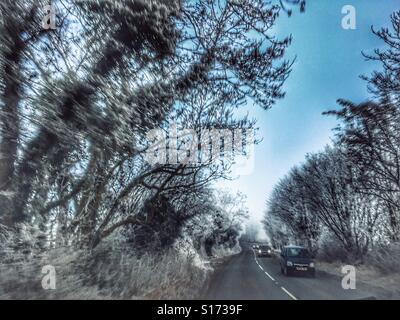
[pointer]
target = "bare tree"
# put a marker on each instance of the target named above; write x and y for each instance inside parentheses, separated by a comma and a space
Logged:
(78, 101)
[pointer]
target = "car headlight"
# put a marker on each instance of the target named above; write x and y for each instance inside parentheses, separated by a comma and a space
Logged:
(259, 251)
(289, 264)
(269, 251)
(312, 265)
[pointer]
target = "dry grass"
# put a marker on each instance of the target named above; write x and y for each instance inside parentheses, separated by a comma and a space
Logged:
(385, 258)
(112, 271)
(380, 269)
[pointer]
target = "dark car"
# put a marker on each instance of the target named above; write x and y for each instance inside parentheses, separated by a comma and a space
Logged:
(296, 259)
(264, 251)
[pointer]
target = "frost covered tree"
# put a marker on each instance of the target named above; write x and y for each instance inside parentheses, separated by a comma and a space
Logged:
(77, 102)
(322, 196)
(351, 189)
(370, 132)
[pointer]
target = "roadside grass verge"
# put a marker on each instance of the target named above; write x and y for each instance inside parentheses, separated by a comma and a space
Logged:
(379, 269)
(113, 270)
(109, 272)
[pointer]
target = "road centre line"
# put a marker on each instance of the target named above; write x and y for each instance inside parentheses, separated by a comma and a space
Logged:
(276, 282)
(262, 267)
(288, 293)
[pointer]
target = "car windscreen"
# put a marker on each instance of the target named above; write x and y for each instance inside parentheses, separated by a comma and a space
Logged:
(298, 253)
(264, 248)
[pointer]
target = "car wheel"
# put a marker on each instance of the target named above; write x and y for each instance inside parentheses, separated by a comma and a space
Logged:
(281, 270)
(312, 274)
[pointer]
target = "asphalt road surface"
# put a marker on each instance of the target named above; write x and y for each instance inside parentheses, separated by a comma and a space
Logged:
(247, 277)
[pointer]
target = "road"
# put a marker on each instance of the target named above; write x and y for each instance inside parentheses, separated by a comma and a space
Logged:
(247, 277)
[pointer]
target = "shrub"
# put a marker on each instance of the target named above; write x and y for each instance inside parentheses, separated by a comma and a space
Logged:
(111, 271)
(385, 258)
(330, 250)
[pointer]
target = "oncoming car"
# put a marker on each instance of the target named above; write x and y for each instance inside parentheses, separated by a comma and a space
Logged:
(296, 259)
(264, 251)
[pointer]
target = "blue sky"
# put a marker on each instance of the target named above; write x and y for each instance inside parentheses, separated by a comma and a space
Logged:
(329, 63)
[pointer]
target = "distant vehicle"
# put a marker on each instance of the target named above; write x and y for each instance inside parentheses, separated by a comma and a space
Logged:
(255, 246)
(296, 259)
(264, 251)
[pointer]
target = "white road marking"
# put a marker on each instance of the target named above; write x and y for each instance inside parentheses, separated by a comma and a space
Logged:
(255, 258)
(289, 294)
(276, 282)
(269, 276)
